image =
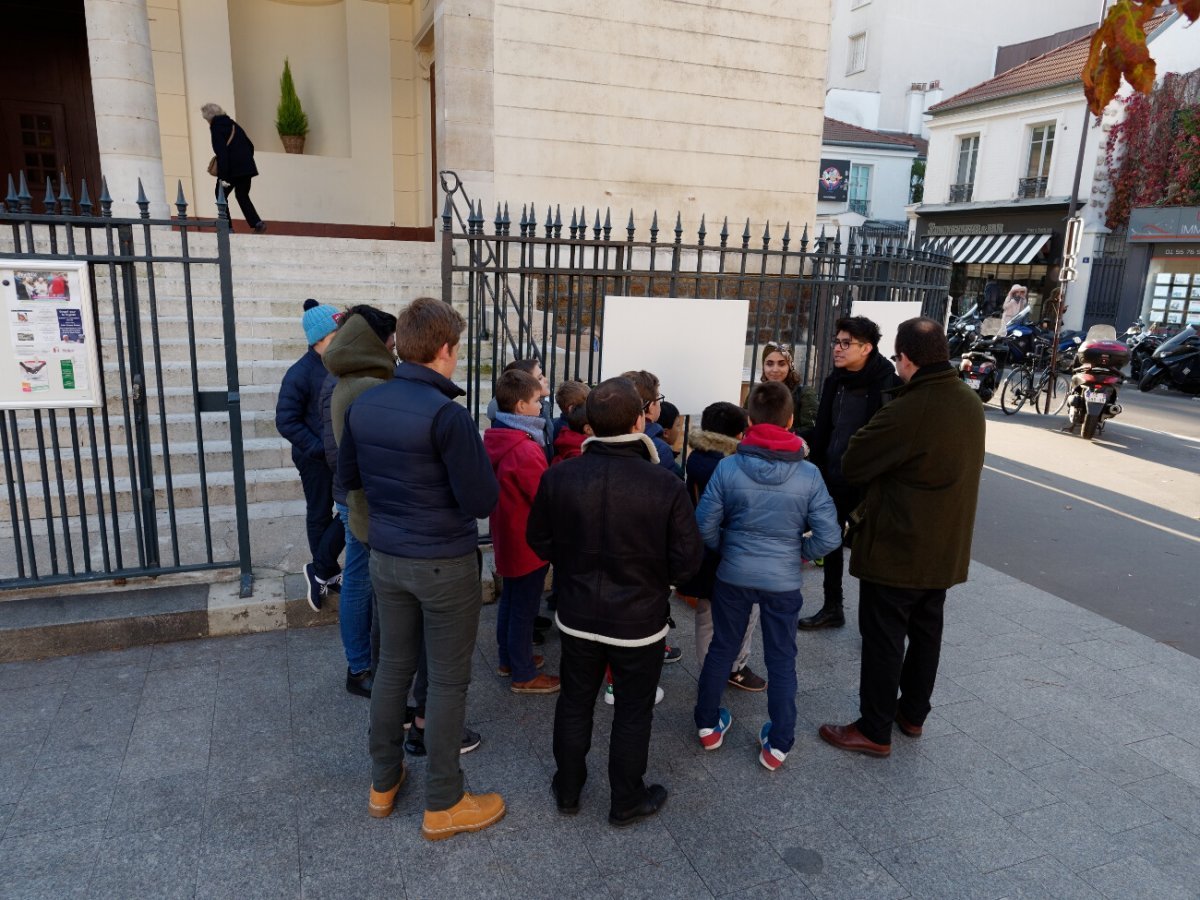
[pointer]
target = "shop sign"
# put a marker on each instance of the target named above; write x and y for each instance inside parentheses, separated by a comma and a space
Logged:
(1164, 224)
(834, 183)
(48, 353)
(985, 228)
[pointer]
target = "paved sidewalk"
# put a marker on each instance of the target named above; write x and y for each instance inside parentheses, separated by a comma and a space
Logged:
(1062, 760)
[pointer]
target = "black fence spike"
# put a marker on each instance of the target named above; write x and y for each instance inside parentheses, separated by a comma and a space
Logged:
(766, 234)
(582, 221)
(65, 199)
(143, 204)
(507, 219)
(50, 202)
(181, 203)
(524, 218)
(678, 227)
(607, 223)
(447, 213)
(629, 227)
(702, 232)
(24, 201)
(11, 200)
(558, 220)
(497, 222)
(574, 223)
(474, 218)
(787, 234)
(549, 221)
(746, 235)
(725, 231)
(106, 198)
(654, 228)
(596, 226)
(85, 199)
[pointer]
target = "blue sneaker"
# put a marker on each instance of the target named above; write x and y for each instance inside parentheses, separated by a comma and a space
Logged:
(771, 757)
(712, 738)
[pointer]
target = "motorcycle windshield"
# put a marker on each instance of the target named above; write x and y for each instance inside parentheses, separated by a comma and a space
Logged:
(1177, 341)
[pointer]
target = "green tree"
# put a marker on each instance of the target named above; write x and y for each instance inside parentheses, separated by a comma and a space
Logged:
(289, 117)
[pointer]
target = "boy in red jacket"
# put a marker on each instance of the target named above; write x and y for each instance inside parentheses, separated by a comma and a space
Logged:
(514, 444)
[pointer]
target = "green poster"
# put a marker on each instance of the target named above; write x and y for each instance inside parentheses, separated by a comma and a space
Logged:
(68, 375)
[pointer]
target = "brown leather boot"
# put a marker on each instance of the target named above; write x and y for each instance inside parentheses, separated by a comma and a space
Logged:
(539, 684)
(381, 803)
(474, 812)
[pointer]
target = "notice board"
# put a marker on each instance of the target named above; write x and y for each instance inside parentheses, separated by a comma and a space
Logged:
(48, 353)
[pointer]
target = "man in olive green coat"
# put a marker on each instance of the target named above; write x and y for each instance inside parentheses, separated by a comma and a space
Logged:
(919, 460)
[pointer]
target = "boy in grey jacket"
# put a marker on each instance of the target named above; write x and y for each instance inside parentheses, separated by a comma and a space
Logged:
(758, 506)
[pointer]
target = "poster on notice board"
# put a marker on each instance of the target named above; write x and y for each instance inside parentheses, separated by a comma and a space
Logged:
(48, 357)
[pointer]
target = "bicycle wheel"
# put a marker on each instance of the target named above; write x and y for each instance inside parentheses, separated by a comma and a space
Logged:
(1052, 406)
(1018, 387)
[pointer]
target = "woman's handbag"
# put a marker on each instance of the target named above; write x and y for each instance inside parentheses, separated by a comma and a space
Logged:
(212, 163)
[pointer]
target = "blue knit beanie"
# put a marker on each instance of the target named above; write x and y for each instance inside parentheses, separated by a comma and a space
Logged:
(318, 320)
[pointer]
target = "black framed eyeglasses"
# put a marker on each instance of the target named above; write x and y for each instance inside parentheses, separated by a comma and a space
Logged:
(659, 399)
(844, 344)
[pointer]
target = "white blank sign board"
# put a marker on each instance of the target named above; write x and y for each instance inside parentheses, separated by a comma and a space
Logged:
(695, 347)
(887, 314)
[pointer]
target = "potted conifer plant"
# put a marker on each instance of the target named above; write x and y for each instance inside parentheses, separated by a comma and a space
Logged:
(290, 120)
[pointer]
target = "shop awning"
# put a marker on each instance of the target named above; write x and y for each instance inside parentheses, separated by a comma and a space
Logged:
(991, 249)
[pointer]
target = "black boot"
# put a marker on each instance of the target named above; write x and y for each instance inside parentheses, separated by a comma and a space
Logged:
(829, 616)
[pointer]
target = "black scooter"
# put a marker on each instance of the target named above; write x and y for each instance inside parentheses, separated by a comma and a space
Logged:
(1176, 363)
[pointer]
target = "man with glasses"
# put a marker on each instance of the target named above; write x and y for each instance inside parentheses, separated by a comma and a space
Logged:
(856, 388)
(648, 389)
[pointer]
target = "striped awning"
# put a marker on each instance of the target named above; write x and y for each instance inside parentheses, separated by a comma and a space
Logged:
(993, 249)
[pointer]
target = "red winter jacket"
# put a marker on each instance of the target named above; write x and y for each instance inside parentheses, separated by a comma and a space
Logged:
(518, 463)
(568, 445)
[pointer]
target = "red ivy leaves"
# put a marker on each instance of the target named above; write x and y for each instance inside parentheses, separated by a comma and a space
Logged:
(1119, 50)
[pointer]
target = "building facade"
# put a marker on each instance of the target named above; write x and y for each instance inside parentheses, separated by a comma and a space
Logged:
(647, 105)
(864, 175)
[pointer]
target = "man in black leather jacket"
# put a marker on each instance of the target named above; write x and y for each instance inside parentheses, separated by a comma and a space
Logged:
(856, 388)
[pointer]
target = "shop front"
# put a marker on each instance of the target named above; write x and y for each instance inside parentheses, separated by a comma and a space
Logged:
(1162, 277)
(1014, 245)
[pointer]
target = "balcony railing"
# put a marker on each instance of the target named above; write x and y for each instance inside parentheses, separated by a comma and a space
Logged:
(1030, 187)
(961, 193)
(859, 206)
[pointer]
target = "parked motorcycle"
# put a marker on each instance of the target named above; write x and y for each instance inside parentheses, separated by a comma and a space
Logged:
(1094, 382)
(962, 330)
(1175, 363)
(979, 369)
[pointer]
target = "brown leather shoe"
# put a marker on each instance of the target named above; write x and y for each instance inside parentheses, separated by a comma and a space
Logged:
(913, 731)
(506, 671)
(848, 737)
(539, 684)
(381, 803)
(474, 812)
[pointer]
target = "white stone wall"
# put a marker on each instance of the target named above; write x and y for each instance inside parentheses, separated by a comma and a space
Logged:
(652, 105)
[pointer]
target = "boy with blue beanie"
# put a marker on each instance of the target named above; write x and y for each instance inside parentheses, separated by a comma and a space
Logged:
(758, 506)
(298, 418)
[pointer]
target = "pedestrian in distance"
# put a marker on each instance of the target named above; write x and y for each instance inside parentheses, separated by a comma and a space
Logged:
(722, 427)
(418, 458)
(233, 154)
(619, 531)
(860, 383)
(756, 511)
(298, 418)
(359, 357)
(514, 445)
(919, 460)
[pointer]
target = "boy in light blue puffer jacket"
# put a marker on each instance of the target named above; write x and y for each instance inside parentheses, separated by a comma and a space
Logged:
(758, 507)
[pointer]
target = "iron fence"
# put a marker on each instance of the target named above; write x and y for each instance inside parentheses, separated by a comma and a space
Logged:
(540, 292)
(152, 481)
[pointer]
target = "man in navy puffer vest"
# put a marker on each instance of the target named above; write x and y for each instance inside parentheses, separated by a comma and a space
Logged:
(419, 460)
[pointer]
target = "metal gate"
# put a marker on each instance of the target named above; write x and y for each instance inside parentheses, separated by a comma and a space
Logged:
(541, 295)
(152, 481)
(1104, 285)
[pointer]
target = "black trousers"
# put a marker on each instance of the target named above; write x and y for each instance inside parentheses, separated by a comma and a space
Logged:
(241, 190)
(635, 672)
(886, 616)
(846, 502)
(326, 533)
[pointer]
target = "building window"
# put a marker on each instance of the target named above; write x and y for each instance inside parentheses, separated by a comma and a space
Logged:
(856, 59)
(860, 189)
(964, 182)
(1037, 172)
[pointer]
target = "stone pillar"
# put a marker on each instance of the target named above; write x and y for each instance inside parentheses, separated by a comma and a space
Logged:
(122, 66)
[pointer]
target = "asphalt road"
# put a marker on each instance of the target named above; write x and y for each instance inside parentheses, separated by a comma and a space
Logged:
(1112, 525)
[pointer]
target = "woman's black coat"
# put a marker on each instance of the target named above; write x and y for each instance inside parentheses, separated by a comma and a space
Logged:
(235, 159)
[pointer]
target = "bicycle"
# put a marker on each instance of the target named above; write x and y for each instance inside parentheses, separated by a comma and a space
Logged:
(1033, 381)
